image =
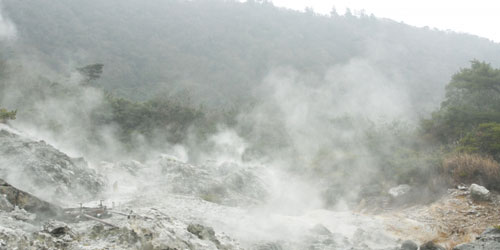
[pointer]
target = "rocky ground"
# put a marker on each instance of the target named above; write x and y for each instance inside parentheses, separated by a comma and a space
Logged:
(168, 204)
(456, 217)
(182, 222)
(460, 216)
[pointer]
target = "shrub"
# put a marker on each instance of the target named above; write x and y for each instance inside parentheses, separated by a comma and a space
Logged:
(7, 115)
(485, 138)
(472, 168)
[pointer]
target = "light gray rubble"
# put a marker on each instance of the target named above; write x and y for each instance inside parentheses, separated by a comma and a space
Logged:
(43, 170)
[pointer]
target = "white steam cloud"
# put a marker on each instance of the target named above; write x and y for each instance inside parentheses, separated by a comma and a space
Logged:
(8, 30)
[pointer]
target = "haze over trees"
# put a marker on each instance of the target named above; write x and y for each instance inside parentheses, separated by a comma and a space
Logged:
(91, 72)
(220, 51)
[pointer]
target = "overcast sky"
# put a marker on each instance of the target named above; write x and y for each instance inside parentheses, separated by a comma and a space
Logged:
(479, 17)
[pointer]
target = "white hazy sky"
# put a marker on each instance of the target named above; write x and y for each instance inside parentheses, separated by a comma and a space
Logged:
(478, 17)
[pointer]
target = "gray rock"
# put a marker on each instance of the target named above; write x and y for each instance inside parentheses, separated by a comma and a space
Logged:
(227, 183)
(400, 190)
(28, 202)
(205, 233)
(321, 230)
(43, 170)
(492, 232)
(479, 193)
(431, 246)
(58, 229)
(409, 245)
(488, 240)
(465, 247)
(21, 215)
(268, 246)
(5, 205)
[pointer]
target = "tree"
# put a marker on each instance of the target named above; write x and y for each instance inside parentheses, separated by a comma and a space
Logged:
(6, 115)
(348, 13)
(309, 10)
(484, 139)
(479, 77)
(334, 13)
(91, 72)
(472, 98)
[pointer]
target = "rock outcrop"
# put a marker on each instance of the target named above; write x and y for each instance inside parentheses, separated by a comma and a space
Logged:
(44, 171)
(227, 183)
(28, 202)
(488, 240)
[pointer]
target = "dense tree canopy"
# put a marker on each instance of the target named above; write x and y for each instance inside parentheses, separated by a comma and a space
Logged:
(220, 51)
(470, 115)
(153, 118)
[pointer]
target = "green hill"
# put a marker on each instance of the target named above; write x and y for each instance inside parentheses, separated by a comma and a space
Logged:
(218, 51)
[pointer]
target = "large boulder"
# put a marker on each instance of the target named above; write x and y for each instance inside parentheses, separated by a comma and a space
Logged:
(431, 246)
(28, 202)
(488, 240)
(399, 191)
(44, 171)
(479, 193)
(409, 245)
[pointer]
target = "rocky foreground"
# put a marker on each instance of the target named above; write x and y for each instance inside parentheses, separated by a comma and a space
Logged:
(168, 204)
(465, 217)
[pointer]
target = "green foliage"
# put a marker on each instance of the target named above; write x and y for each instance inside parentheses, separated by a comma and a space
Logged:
(7, 115)
(472, 98)
(91, 72)
(403, 156)
(484, 139)
(155, 118)
(390, 153)
(480, 77)
(468, 123)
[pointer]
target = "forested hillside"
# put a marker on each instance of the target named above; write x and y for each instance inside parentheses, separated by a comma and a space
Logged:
(217, 52)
